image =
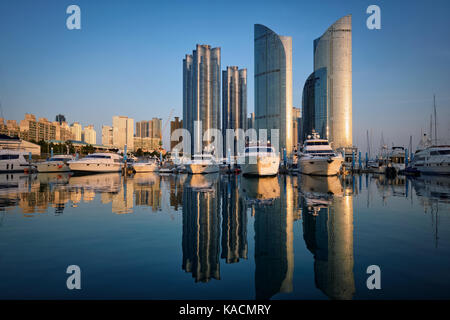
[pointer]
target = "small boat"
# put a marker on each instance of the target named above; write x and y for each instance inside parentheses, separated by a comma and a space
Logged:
(260, 160)
(57, 163)
(150, 166)
(13, 161)
(317, 157)
(97, 163)
(203, 163)
(396, 159)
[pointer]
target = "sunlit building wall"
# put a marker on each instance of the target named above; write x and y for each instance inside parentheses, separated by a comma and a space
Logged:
(333, 51)
(273, 84)
(123, 132)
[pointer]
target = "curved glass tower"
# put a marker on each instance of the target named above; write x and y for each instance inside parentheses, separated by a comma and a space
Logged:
(273, 84)
(333, 51)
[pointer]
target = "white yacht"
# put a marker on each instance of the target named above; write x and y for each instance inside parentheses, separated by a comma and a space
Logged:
(58, 163)
(97, 163)
(317, 157)
(434, 159)
(396, 158)
(260, 160)
(13, 161)
(203, 163)
(149, 166)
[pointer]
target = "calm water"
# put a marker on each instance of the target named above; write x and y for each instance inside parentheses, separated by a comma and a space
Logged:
(218, 236)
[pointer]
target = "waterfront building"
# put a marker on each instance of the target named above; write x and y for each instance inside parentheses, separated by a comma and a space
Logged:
(201, 93)
(148, 135)
(89, 135)
(123, 132)
(107, 135)
(10, 128)
(251, 121)
(174, 125)
(333, 75)
(234, 102)
(77, 130)
(273, 85)
(315, 105)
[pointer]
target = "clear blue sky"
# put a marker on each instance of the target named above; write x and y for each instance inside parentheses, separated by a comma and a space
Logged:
(127, 58)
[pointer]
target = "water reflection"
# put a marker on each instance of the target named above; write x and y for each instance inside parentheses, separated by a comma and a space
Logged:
(328, 234)
(218, 215)
(201, 227)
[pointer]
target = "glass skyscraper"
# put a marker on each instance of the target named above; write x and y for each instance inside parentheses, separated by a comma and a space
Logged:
(273, 85)
(201, 92)
(333, 51)
(234, 102)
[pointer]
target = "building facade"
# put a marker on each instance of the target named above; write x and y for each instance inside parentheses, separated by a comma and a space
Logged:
(333, 51)
(107, 135)
(315, 105)
(77, 130)
(296, 119)
(175, 125)
(123, 132)
(273, 85)
(234, 102)
(89, 135)
(201, 93)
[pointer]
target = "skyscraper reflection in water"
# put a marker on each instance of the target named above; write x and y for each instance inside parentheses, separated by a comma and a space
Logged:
(328, 234)
(274, 217)
(234, 221)
(201, 227)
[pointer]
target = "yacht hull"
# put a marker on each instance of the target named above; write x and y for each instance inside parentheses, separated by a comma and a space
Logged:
(264, 166)
(202, 168)
(146, 168)
(320, 167)
(95, 167)
(53, 167)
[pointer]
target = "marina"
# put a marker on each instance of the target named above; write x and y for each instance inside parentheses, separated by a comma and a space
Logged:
(279, 237)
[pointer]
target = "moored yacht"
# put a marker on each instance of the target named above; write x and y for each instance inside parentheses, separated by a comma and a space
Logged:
(13, 161)
(148, 166)
(434, 159)
(260, 160)
(57, 163)
(203, 163)
(97, 163)
(318, 158)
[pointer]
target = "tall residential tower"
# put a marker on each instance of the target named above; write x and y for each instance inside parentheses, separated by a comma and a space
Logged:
(273, 85)
(201, 92)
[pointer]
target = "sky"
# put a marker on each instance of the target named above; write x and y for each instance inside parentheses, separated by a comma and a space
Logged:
(127, 58)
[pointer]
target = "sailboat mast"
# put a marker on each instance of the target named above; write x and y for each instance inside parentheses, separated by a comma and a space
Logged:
(435, 119)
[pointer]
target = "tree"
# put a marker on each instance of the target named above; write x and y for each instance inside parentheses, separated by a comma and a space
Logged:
(139, 153)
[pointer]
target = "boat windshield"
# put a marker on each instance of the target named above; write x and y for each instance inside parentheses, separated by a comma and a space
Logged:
(317, 143)
(321, 152)
(258, 149)
(98, 156)
(9, 156)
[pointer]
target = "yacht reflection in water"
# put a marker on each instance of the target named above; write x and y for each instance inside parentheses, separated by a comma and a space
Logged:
(328, 234)
(274, 216)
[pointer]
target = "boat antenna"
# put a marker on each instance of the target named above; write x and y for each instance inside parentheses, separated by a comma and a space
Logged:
(431, 127)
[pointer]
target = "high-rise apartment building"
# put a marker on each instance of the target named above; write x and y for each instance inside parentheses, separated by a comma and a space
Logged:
(107, 135)
(123, 132)
(76, 129)
(234, 102)
(273, 85)
(89, 135)
(201, 93)
(174, 125)
(327, 94)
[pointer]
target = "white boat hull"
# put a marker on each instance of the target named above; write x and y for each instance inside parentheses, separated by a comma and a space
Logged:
(7, 166)
(195, 168)
(52, 167)
(261, 166)
(321, 167)
(95, 167)
(146, 168)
